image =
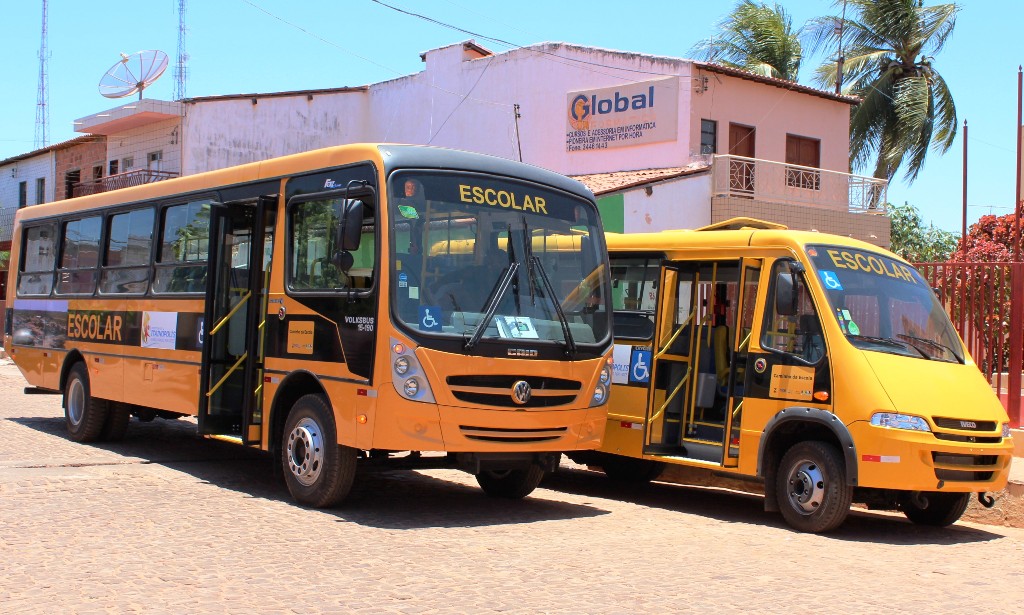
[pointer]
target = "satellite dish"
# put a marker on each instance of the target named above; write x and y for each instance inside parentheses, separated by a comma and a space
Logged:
(133, 73)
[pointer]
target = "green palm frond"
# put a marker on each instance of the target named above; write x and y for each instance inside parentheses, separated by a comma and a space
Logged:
(755, 37)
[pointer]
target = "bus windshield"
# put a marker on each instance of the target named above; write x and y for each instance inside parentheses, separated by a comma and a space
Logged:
(884, 305)
(483, 257)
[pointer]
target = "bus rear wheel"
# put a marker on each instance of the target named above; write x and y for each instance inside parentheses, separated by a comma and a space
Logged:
(811, 487)
(318, 471)
(84, 414)
(511, 484)
(943, 509)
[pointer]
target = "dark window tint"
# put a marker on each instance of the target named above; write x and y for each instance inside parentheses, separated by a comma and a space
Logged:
(79, 256)
(37, 260)
(126, 267)
(184, 246)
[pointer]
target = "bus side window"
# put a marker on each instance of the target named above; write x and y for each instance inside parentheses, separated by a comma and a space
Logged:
(184, 249)
(797, 330)
(38, 256)
(126, 259)
(79, 259)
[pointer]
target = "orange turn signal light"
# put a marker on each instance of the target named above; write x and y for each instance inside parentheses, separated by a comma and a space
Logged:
(821, 395)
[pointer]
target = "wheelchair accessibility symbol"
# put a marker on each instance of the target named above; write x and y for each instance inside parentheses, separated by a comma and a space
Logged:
(640, 366)
(428, 320)
(830, 280)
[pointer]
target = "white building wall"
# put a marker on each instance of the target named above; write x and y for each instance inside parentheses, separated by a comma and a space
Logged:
(455, 102)
(683, 203)
(27, 170)
(138, 143)
(223, 133)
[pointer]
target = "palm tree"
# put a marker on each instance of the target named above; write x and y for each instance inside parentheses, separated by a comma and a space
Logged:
(757, 38)
(906, 106)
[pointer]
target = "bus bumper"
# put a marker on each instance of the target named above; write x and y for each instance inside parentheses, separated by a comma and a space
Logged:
(920, 461)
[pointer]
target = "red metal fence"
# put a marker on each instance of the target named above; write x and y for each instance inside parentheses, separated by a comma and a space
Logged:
(980, 298)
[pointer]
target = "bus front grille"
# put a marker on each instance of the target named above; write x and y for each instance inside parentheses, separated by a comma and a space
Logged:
(964, 424)
(497, 390)
(499, 434)
(957, 467)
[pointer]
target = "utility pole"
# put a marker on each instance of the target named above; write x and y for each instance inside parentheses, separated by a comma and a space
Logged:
(42, 137)
(840, 60)
(963, 232)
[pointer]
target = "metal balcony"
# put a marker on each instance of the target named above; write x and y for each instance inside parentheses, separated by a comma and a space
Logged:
(778, 182)
(134, 177)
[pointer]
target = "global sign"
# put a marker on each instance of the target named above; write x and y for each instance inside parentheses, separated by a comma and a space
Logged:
(630, 114)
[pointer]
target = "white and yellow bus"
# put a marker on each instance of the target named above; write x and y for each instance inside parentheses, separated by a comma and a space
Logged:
(289, 305)
(822, 366)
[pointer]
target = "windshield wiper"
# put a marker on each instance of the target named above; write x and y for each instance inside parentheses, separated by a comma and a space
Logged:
(497, 292)
(930, 343)
(887, 341)
(570, 343)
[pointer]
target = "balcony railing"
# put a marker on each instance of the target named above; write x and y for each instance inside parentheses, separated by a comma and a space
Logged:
(135, 177)
(779, 182)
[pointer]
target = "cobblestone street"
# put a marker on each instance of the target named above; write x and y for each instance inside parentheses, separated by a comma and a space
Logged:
(164, 522)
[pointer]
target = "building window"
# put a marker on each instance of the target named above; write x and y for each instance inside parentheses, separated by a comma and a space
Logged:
(805, 153)
(154, 160)
(97, 172)
(70, 179)
(113, 167)
(40, 190)
(22, 194)
(127, 163)
(708, 137)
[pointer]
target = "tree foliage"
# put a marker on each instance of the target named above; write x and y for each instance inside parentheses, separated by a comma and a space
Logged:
(755, 37)
(906, 106)
(915, 242)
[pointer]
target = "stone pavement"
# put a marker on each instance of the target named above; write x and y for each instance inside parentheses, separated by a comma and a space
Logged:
(166, 523)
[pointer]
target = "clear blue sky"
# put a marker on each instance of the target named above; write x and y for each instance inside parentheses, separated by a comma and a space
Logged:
(242, 46)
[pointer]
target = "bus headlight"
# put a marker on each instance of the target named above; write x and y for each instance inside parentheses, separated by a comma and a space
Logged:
(606, 375)
(407, 374)
(402, 366)
(600, 395)
(1006, 430)
(894, 420)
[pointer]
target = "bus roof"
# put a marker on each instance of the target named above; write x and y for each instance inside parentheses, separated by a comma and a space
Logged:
(734, 233)
(393, 156)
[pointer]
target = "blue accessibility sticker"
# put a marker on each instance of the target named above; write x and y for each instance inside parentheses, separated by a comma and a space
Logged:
(640, 366)
(830, 280)
(430, 318)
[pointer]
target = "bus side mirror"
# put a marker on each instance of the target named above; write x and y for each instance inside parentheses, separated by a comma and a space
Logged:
(350, 228)
(785, 294)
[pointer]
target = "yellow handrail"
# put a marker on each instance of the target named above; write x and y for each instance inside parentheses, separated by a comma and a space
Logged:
(229, 372)
(231, 313)
(672, 339)
(672, 395)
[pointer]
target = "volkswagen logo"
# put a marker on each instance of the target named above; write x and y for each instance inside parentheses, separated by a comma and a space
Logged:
(521, 392)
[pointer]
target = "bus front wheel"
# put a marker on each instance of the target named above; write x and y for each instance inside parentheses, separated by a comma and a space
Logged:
(84, 414)
(811, 487)
(512, 484)
(943, 509)
(318, 471)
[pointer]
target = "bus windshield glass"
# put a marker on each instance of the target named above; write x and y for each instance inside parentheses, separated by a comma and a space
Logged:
(482, 258)
(884, 305)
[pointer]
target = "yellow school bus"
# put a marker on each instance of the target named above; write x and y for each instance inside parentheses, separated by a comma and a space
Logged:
(289, 305)
(822, 366)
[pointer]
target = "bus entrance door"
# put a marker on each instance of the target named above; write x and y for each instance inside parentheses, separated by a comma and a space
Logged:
(231, 382)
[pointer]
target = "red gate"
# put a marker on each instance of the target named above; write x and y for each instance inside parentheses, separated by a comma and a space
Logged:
(985, 301)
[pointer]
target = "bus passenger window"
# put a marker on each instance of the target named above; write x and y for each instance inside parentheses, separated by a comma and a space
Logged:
(184, 249)
(126, 262)
(79, 256)
(37, 260)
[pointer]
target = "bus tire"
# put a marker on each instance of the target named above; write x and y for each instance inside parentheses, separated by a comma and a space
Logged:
(630, 470)
(116, 424)
(511, 484)
(83, 413)
(943, 508)
(811, 487)
(318, 471)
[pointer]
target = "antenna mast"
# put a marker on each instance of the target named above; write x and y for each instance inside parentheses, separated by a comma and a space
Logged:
(179, 67)
(42, 138)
